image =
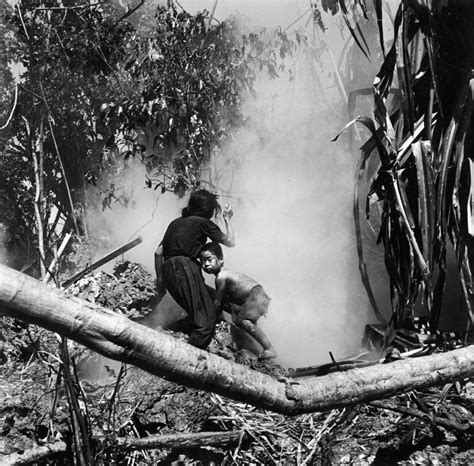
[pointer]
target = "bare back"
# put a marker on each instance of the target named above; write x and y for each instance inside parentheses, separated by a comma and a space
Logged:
(235, 285)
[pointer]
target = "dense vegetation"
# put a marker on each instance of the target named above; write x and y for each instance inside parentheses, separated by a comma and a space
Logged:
(421, 188)
(94, 88)
(85, 88)
(90, 90)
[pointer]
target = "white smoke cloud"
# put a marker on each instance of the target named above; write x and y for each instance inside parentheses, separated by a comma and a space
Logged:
(294, 224)
(293, 220)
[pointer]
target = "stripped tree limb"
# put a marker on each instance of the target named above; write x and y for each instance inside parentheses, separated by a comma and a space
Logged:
(15, 100)
(229, 439)
(119, 338)
(103, 260)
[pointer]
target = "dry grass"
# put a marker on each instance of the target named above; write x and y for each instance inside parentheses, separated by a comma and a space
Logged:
(277, 439)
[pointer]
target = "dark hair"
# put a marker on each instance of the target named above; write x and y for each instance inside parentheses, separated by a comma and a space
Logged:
(203, 204)
(214, 248)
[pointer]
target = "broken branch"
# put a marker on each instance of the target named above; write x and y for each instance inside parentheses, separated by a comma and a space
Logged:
(107, 258)
(191, 440)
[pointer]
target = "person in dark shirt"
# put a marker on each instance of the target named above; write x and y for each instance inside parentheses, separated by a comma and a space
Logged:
(178, 269)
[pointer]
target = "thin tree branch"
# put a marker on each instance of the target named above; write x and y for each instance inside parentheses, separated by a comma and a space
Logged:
(58, 255)
(77, 7)
(15, 100)
(22, 22)
(128, 13)
(81, 436)
(60, 160)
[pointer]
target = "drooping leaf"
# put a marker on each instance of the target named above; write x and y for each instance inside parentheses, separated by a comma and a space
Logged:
(358, 229)
(426, 199)
(405, 72)
(378, 14)
(446, 156)
(345, 15)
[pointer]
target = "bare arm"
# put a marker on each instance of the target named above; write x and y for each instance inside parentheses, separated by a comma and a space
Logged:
(220, 291)
(229, 239)
(158, 268)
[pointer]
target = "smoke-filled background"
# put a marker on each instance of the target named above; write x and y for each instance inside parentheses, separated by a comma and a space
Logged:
(292, 192)
(295, 228)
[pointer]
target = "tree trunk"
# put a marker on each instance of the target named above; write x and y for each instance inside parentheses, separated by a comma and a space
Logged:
(117, 337)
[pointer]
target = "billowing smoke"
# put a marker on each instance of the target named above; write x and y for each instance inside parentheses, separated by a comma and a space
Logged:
(292, 195)
(294, 224)
(292, 192)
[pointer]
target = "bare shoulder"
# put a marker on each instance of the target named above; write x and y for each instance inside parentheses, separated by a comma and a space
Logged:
(240, 279)
(223, 275)
(238, 286)
(221, 278)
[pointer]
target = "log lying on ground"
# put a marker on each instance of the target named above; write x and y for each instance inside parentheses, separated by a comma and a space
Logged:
(229, 439)
(191, 440)
(118, 338)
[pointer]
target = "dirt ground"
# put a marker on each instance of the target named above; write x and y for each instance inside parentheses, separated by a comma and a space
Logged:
(127, 402)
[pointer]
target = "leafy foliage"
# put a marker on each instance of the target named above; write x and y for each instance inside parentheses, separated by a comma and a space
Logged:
(94, 91)
(187, 79)
(423, 185)
(64, 58)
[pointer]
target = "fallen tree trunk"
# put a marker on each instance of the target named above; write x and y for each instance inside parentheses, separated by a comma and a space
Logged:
(117, 337)
(191, 440)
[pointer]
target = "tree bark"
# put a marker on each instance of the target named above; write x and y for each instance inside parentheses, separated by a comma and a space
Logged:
(117, 337)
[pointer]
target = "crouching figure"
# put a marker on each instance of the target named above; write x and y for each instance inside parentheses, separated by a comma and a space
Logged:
(246, 297)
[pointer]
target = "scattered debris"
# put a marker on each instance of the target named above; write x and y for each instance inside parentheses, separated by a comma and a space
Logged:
(130, 406)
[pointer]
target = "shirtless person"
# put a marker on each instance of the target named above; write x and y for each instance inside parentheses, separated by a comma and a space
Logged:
(248, 299)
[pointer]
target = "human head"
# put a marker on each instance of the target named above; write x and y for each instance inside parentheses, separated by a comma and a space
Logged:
(212, 258)
(203, 204)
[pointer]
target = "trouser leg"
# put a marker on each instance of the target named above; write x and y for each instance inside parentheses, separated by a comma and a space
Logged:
(185, 284)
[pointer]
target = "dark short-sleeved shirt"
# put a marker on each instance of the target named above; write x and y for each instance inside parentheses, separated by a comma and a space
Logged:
(185, 236)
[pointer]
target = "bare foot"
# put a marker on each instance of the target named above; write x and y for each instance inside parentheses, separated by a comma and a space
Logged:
(268, 354)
